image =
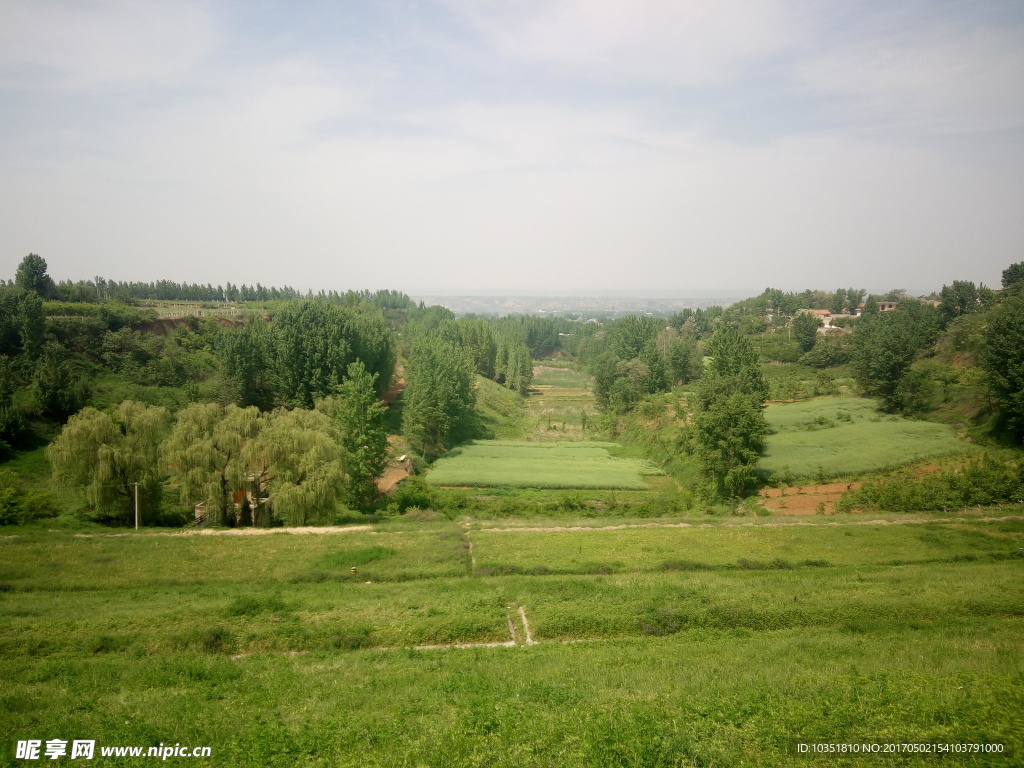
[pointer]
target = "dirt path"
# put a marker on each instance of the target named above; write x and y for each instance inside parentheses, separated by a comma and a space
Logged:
(309, 529)
(393, 392)
(397, 470)
(779, 524)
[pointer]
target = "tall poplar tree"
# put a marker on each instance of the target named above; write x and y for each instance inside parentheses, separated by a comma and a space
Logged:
(358, 416)
(438, 394)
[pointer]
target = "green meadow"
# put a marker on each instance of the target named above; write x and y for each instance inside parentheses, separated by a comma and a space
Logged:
(843, 436)
(721, 644)
(548, 376)
(519, 464)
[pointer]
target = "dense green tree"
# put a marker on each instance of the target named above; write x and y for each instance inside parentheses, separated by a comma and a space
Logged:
(729, 425)
(681, 356)
(1013, 275)
(805, 330)
(884, 347)
(358, 416)
(21, 323)
(519, 369)
(31, 276)
(107, 453)
(57, 392)
(299, 453)
(632, 335)
(962, 298)
(479, 341)
(734, 366)
(316, 341)
(730, 433)
(839, 302)
(12, 418)
(247, 360)
(204, 452)
(1003, 362)
(438, 396)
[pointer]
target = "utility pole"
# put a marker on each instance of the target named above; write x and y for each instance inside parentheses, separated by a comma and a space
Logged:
(136, 505)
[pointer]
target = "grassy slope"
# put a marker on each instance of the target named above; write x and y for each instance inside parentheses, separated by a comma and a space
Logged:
(867, 442)
(718, 668)
(538, 465)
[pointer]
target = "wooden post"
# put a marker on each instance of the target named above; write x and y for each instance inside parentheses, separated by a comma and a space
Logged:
(136, 506)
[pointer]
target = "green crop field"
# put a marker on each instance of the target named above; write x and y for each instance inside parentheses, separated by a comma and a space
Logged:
(539, 465)
(716, 645)
(546, 376)
(841, 436)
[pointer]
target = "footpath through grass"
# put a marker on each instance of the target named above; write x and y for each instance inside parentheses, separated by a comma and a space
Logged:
(518, 464)
(712, 646)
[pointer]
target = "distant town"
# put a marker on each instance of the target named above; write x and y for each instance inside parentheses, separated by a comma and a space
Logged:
(578, 307)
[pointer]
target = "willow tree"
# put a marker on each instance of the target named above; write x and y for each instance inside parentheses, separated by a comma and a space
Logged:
(108, 453)
(358, 415)
(204, 452)
(300, 454)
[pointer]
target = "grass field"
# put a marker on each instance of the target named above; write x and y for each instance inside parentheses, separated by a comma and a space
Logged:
(694, 646)
(548, 376)
(561, 405)
(839, 437)
(538, 465)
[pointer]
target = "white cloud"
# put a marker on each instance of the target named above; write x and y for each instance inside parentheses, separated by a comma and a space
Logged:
(681, 42)
(945, 78)
(85, 45)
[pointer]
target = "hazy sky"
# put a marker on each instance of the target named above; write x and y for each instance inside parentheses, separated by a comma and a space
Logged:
(564, 145)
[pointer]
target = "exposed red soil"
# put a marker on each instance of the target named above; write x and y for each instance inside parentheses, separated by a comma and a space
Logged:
(392, 476)
(804, 499)
(397, 470)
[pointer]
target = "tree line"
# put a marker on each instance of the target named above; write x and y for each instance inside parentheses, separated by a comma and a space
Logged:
(32, 275)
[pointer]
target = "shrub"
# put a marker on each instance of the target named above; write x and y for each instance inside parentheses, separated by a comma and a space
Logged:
(19, 506)
(979, 483)
(414, 492)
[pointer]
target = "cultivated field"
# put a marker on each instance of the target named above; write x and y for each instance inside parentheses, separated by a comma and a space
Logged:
(843, 436)
(519, 464)
(561, 405)
(719, 644)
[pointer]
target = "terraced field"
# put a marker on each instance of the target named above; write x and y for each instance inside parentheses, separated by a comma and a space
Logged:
(845, 436)
(520, 464)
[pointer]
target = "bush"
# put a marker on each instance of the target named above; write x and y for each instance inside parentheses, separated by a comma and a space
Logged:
(414, 492)
(19, 506)
(980, 483)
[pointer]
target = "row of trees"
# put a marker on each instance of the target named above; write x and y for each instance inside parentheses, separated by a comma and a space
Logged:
(32, 276)
(299, 461)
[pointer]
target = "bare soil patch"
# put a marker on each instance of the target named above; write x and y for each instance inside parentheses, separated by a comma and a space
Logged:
(804, 499)
(397, 470)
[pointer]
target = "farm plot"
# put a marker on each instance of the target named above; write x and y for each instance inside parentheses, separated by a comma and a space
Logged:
(837, 437)
(539, 465)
